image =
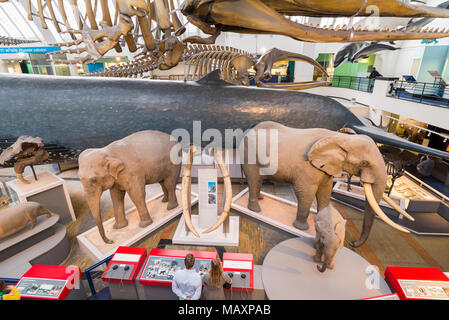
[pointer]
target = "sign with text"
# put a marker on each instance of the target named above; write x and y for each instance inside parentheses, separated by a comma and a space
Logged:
(10, 50)
(207, 184)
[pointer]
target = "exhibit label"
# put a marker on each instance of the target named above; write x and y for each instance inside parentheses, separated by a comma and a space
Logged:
(29, 49)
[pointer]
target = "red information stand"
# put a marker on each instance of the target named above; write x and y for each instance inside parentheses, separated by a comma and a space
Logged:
(125, 265)
(239, 267)
(51, 283)
(162, 264)
(418, 283)
(122, 272)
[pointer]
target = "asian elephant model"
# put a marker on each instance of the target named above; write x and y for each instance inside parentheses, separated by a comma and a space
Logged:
(15, 218)
(127, 166)
(330, 236)
(308, 159)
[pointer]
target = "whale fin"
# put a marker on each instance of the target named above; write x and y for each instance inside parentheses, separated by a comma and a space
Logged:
(213, 78)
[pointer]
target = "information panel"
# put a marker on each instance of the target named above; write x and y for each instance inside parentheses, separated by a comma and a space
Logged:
(164, 268)
(41, 288)
(421, 289)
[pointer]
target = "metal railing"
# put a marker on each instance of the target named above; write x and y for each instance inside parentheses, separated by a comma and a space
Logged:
(88, 275)
(423, 92)
(356, 83)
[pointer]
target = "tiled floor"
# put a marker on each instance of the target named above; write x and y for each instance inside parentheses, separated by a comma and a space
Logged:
(385, 246)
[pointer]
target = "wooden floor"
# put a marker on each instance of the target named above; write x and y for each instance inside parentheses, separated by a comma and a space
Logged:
(385, 246)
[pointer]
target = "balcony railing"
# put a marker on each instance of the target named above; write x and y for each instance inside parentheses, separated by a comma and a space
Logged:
(356, 83)
(423, 92)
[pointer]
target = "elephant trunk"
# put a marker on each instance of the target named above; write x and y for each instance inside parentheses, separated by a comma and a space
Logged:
(322, 268)
(374, 193)
(93, 199)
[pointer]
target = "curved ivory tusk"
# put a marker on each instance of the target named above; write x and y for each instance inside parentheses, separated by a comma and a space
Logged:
(396, 207)
(374, 205)
(185, 193)
(21, 178)
(228, 188)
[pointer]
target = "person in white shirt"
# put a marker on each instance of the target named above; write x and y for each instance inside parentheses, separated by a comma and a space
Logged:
(186, 283)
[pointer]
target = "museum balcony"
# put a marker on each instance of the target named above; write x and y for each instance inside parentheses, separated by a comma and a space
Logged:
(395, 97)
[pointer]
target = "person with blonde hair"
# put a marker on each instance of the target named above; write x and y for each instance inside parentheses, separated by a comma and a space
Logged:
(214, 281)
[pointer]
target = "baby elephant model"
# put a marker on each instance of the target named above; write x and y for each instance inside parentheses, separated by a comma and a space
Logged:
(126, 166)
(308, 159)
(13, 219)
(330, 236)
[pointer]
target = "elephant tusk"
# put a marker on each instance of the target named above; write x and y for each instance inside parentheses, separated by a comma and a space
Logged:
(375, 206)
(228, 194)
(186, 195)
(21, 178)
(396, 207)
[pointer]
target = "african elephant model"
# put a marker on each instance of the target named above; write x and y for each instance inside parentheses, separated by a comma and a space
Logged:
(330, 236)
(126, 166)
(308, 159)
(15, 218)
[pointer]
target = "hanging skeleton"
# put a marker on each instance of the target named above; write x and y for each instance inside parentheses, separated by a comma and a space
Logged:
(158, 24)
(233, 63)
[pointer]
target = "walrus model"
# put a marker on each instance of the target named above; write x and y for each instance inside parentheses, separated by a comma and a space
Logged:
(15, 218)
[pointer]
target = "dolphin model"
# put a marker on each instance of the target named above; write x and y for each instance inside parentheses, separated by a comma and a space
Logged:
(80, 112)
(422, 22)
(371, 49)
(355, 51)
(347, 52)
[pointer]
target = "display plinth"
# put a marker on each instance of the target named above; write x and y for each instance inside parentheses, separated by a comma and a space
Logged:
(289, 273)
(48, 190)
(214, 238)
(92, 243)
(278, 212)
(211, 199)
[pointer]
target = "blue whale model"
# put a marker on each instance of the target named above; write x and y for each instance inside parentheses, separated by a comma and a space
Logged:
(80, 113)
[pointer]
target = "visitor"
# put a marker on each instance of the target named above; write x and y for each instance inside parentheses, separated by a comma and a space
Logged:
(8, 292)
(374, 74)
(214, 281)
(187, 283)
(425, 167)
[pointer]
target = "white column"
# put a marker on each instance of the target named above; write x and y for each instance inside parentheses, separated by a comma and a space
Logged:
(3, 66)
(304, 71)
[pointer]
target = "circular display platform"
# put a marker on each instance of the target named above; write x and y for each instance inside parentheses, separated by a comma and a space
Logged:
(289, 273)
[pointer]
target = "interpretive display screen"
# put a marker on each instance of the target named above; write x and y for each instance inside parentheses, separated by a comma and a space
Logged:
(41, 288)
(421, 289)
(164, 268)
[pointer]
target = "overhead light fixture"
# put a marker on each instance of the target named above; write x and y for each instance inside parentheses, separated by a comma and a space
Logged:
(117, 59)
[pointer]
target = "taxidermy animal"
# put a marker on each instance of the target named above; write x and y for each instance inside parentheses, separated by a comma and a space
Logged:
(15, 218)
(330, 236)
(309, 159)
(93, 112)
(126, 166)
(28, 151)
(4, 201)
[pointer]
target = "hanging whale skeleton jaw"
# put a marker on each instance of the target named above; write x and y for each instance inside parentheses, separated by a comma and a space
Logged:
(158, 24)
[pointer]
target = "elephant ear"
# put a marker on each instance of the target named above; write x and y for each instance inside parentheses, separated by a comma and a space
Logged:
(328, 155)
(114, 166)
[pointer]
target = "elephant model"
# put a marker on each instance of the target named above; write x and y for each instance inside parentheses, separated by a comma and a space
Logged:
(330, 236)
(308, 159)
(127, 166)
(15, 218)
